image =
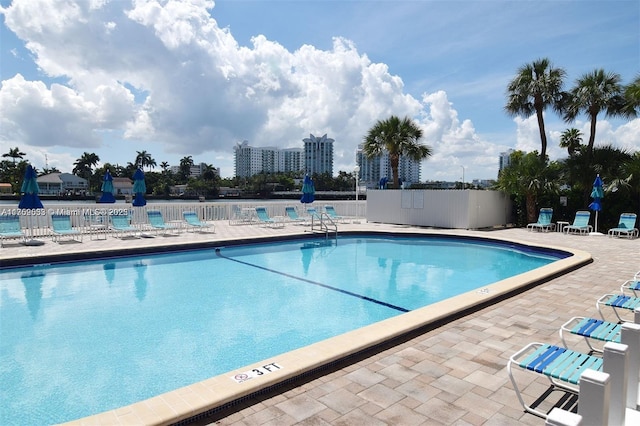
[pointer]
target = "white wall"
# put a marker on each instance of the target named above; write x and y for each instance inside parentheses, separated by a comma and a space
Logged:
(458, 209)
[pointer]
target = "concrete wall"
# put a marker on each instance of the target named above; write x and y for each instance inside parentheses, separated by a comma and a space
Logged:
(458, 209)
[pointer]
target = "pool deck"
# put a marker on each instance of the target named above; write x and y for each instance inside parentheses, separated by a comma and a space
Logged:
(452, 375)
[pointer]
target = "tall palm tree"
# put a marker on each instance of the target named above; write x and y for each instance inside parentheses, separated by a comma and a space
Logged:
(84, 165)
(593, 93)
(165, 167)
(536, 87)
(14, 153)
(144, 159)
(398, 137)
(632, 96)
(571, 139)
(185, 167)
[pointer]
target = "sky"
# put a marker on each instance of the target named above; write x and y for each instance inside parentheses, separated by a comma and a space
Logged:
(194, 78)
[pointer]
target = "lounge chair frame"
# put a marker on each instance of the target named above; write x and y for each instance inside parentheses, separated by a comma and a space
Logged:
(619, 303)
(544, 223)
(331, 212)
(626, 227)
(120, 227)
(591, 329)
(632, 285)
(61, 227)
(580, 223)
(157, 223)
(293, 216)
(561, 366)
(194, 223)
(266, 220)
(10, 228)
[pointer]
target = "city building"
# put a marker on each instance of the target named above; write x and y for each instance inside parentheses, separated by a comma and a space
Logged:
(196, 170)
(505, 159)
(250, 160)
(318, 155)
(372, 170)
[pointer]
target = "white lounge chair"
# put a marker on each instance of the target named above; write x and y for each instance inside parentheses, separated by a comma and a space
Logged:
(61, 227)
(193, 222)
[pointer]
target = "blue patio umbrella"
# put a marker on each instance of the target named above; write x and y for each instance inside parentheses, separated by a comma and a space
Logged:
(30, 200)
(383, 183)
(597, 193)
(29, 190)
(139, 188)
(107, 189)
(308, 191)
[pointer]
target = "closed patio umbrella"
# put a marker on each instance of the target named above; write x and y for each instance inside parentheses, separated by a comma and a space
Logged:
(139, 188)
(107, 189)
(308, 191)
(30, 200)
(597, 194)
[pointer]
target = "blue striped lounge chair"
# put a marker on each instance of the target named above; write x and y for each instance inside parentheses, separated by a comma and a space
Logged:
(563, 367)
(544, 221)
(591, 329)
(195, 224)
(619, 303)
(626, 226)
(293, 216)
(157, 223)
(120, 226)
(265, 219)
(632, 285)
(333, 215)
(10, 228)
(580, 223)
(61, 228)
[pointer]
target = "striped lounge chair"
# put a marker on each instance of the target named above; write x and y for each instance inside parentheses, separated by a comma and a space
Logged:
(619, 303)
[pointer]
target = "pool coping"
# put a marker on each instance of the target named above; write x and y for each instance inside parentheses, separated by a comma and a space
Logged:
(219, 392)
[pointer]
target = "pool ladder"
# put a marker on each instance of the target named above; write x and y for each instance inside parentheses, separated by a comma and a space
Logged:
(322, 223)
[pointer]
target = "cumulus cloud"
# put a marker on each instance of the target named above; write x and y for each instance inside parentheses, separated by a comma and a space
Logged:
(163, 75)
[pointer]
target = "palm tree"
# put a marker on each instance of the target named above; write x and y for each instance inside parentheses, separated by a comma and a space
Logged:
(144, 159)
(398, 137)
(185, 167)
(593, 93)
(14, 153)
(571, 139)
(528, 177)
(536, 87)
(632, 96)
(84, 165)
(164, 166)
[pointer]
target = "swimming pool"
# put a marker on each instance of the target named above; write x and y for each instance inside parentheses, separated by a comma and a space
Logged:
(66, 346)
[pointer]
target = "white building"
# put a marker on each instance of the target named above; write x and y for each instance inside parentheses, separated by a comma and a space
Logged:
(318, 155)
(374, 169)
(250, 160)
(195, 170)
(62, 183)
(505, 159)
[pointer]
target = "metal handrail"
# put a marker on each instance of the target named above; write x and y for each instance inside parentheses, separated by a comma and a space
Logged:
(323, 222)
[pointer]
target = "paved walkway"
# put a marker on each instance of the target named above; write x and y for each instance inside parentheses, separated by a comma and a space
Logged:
(453, 375)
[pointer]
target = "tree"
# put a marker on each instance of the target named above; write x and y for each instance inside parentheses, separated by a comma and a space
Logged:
(536, 87)
(571, 139)
(165, 167)
(593, 93)
(185, 167)
(398, 137)
(527, 177)
(144, 159)
(632, 96)
(14, 153)
(84, 165)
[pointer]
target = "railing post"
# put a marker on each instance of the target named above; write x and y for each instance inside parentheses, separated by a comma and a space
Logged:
(593, 400)
(631, 337)
(616, 363)
(560, 417)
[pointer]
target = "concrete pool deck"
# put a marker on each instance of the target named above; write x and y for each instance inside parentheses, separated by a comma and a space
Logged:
(453, 374)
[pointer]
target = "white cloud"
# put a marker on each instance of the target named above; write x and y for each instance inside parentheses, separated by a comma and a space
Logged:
(163, 76)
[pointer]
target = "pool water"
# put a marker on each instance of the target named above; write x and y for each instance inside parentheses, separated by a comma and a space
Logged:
(85, 337)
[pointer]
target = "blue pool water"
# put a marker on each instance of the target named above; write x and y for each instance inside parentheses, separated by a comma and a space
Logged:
(85, 337)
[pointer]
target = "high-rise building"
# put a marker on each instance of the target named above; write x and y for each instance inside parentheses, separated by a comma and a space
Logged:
(250, 160)
(505, 159)
(318, 155)
(375, 168)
